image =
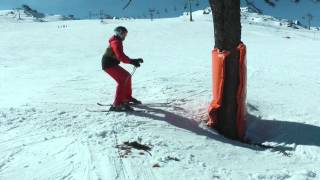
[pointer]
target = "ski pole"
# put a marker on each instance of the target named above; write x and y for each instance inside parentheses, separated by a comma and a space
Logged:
(133, 71)
(131, 74)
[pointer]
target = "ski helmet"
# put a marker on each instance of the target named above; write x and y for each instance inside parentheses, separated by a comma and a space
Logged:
(120, 31)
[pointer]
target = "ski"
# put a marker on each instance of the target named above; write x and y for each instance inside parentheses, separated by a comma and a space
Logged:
(101, 104)
(97, 110)
(108, 111)
(137, 105)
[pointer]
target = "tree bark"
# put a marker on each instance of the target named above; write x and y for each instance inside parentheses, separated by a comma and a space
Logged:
(227, 35)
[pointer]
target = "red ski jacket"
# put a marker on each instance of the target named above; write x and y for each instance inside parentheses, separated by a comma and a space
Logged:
(114, 54)
(117, 48)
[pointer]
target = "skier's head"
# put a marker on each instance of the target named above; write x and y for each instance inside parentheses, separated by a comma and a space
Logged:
(121, 32)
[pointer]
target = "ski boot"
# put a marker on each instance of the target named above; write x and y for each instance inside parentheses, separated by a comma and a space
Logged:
(134, 101)
(121, 108)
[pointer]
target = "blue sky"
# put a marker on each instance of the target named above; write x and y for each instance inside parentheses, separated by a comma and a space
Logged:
(81, 8)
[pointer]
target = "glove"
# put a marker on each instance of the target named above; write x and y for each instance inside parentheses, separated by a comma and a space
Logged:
(135, 63)
(140, 60)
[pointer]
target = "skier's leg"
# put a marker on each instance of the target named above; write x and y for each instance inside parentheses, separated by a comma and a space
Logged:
(129, 97)
(128, 88)
(119, 75)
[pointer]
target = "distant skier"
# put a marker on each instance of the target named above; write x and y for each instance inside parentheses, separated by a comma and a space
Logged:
(110, 64)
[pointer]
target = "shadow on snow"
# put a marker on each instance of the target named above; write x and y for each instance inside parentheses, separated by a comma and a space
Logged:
(259, 130)
(285, 132)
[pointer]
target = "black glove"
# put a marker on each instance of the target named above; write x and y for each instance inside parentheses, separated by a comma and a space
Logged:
(140, 60)
(135, 63)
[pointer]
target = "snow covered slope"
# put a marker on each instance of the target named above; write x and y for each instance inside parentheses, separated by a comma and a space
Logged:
(50, 76)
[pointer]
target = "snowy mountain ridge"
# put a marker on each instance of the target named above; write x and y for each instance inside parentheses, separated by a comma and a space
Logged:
(248, 15)
(251, 16)
(20, 15)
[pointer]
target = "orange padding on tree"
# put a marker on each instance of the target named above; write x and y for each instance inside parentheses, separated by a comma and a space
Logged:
(218, 60)
(218, 70)
(242, 92)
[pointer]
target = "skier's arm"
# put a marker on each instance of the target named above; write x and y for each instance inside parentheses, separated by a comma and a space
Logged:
(118, 51)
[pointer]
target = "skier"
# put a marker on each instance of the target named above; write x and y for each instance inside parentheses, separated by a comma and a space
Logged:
(110, 64)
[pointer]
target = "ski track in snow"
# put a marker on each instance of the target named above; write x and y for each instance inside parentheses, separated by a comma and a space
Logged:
(46, 132)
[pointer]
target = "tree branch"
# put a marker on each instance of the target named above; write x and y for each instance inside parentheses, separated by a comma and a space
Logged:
(128, 3)
(270, 2)
(252, 5)
(273, 3)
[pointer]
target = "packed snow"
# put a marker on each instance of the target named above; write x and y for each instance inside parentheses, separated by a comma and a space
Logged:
(51, 78)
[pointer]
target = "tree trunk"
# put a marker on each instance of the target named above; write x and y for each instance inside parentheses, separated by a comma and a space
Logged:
(190, 10)
(227, 35)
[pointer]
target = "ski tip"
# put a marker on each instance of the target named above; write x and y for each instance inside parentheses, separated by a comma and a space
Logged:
(97, 110)
(100, 104)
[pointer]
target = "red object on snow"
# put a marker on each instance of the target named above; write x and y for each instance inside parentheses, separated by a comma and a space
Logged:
(218, 71)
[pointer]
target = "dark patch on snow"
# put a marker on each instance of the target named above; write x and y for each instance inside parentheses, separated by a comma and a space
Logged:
(126, 148)
(103, 134)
